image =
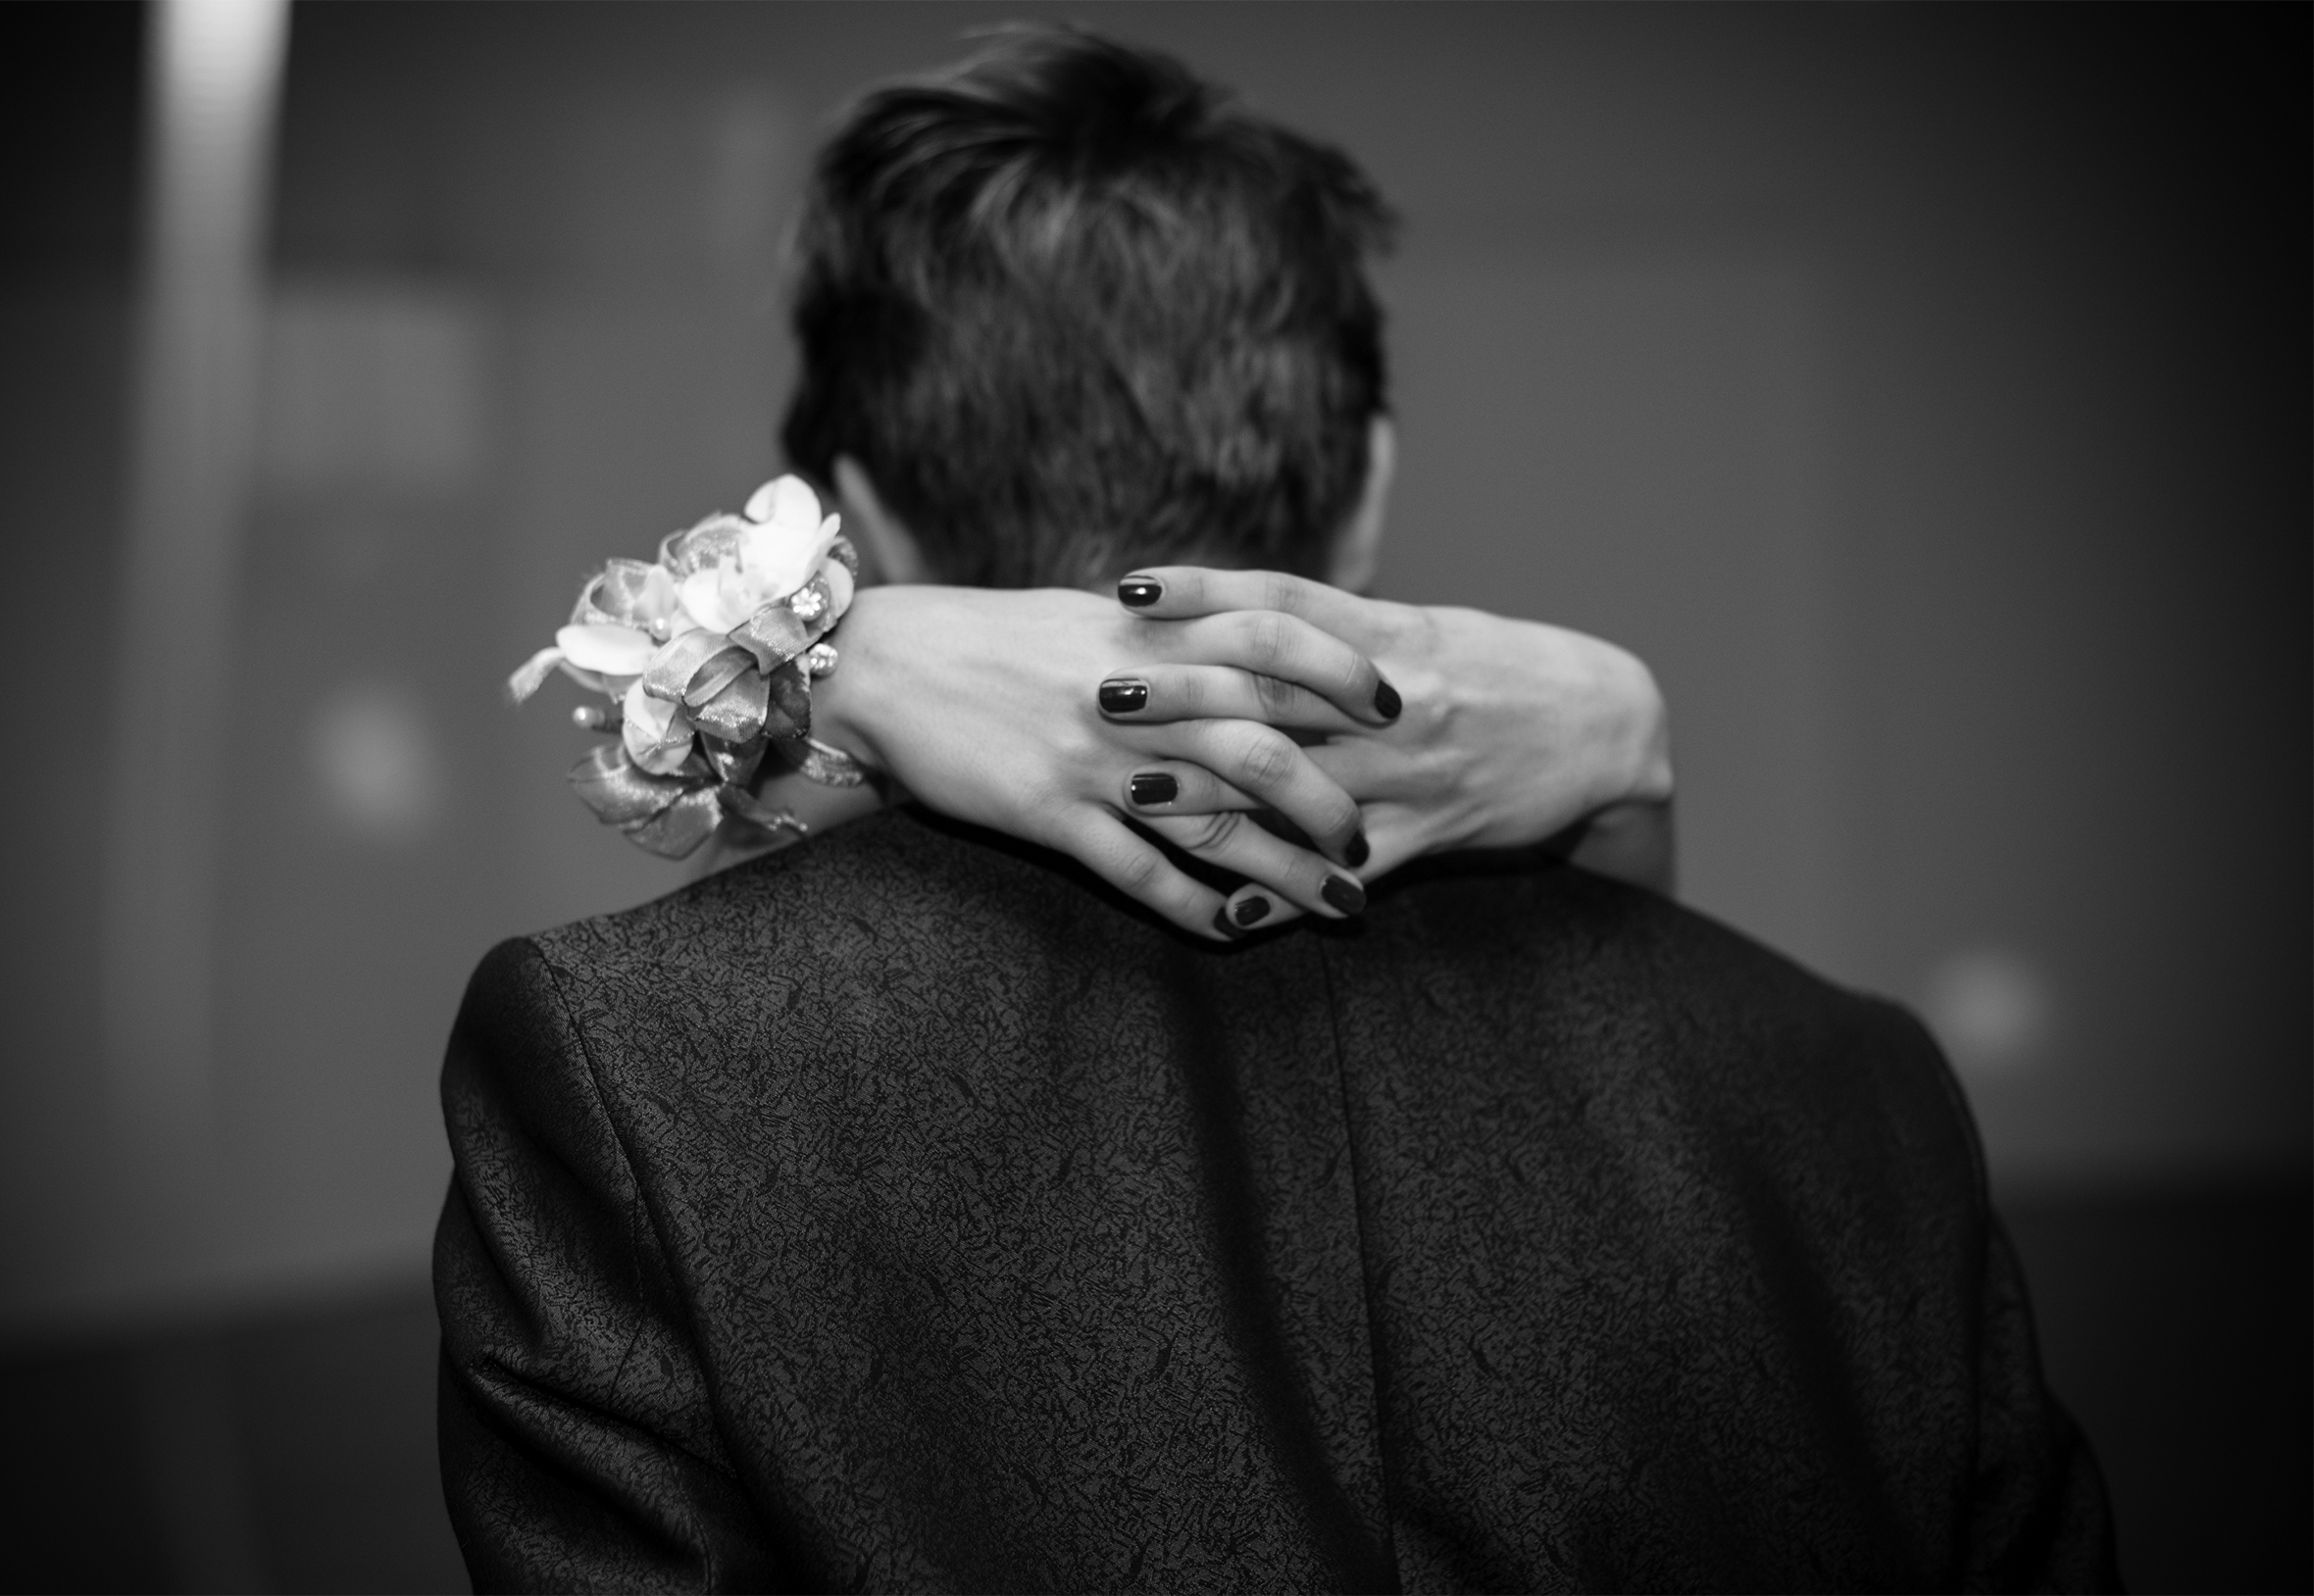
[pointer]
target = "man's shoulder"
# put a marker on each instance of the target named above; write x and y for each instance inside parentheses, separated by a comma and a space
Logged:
(1560, 994)
(1521, 920)
(1512, 934)
(899, 890)
(898, 934)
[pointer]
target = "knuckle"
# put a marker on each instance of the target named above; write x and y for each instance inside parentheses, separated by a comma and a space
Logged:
(1266, 761)
(1335, 817)
(1136, 868)
(1278, 698)
(1282, 592)
(1211, 832)
(1269, 641)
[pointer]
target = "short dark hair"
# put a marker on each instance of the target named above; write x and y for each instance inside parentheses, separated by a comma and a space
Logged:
(1073, 310)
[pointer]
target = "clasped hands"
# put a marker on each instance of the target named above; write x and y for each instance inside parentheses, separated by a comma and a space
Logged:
(1377, 731)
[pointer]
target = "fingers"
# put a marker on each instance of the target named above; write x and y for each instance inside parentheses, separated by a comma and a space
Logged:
(1184, 592)
(1287, 649)
(1152, 694)
(1176, 787)
(1138, 869)
(1266, 766)
(1294, 874)
(1253, 907)
(1285, 880)
(1397, 837)
(1371, 771)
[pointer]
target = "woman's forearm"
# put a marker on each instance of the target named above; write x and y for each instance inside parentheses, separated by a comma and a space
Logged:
(1631, 842)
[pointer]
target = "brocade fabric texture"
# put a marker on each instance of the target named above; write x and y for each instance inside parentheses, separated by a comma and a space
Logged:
(902, 1212)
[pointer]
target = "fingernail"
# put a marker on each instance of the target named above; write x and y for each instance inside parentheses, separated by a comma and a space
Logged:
(1357, 850)
(1386, 702)
(1343, 893)
(1220, 923)
(1124, 696)
(1253, 910)
(1152, 787)
(1140, 592)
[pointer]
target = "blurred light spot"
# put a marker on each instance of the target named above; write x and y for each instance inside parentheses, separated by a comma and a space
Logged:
(372, 386)
(223, 55)
(1992, 1008)
(377, 763)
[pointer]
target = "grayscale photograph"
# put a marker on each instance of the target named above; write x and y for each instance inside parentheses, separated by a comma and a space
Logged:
(1265, 795)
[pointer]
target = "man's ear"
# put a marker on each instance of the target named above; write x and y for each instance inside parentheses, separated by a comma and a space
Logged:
(893, 554)
(1357, 547)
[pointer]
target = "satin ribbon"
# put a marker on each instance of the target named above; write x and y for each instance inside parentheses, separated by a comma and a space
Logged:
(672, 814)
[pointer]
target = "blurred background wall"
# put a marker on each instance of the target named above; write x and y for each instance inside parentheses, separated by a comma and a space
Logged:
(1923, 391)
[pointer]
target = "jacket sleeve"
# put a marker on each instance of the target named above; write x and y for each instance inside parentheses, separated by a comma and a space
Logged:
(2038, 1520)
(578, 1446)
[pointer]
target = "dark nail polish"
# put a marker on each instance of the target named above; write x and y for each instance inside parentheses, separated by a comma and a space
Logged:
(1124, 696)
(1386, 702)
(1357, 850)
(1153, 787)
(1343, 893)
(1140, 592)
(1220, 923)
(1253, 911)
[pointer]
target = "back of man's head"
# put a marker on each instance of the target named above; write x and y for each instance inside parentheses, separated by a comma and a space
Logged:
(1072, 310)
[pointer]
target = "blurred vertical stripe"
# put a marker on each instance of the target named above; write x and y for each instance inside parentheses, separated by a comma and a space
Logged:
(214, 88)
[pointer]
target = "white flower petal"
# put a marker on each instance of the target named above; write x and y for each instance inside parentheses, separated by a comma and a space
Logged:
(712, 599)
(782, 559)
(646, 714)
(657, 734)
(760, 502)
(592, 681)
(617, 651)
(794, 504)
(657, 598)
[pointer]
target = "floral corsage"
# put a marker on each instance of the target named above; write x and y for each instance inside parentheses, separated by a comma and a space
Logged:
(707, 657)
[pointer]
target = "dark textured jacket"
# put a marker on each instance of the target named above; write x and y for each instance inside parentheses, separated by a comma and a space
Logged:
(900, 1211)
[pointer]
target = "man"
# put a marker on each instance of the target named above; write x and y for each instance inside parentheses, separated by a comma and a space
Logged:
(906, 1211)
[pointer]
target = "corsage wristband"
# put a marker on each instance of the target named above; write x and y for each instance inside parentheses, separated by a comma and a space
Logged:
(707, 655)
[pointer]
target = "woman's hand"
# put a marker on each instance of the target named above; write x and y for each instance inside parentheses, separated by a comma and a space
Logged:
(974, 700)
(1512, 732)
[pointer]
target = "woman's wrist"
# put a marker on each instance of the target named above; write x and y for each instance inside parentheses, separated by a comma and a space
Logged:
(845, 705)
(1641, 771)
(849, 704)
(1515, 731)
